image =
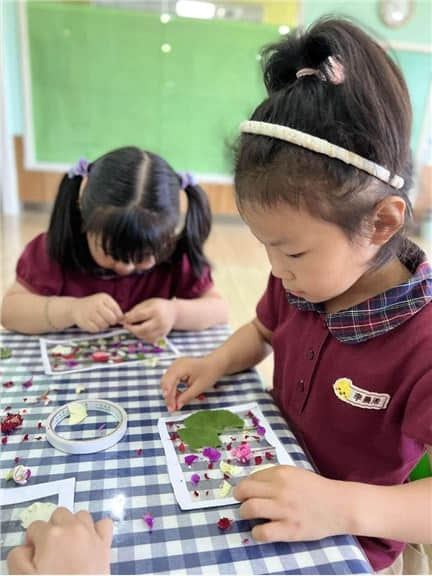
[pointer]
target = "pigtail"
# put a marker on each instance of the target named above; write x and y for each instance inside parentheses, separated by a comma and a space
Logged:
(65, 243)
(196, 228)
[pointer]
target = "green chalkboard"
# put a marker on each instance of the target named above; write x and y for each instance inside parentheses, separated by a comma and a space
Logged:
(100, 80)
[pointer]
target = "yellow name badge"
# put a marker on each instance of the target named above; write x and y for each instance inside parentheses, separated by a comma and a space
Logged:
(346, 391)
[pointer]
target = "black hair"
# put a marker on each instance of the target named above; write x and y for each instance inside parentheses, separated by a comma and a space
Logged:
(369, 113)
(131, 202)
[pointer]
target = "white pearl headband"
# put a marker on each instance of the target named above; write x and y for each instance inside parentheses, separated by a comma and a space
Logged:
(322, 147)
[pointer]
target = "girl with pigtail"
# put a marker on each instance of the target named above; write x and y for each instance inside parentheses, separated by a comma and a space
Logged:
(116, 253)
(322, 177)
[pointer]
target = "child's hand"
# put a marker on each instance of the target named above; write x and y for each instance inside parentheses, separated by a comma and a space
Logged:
(198, 374)
(151, 320)
(300, 505)
(67, 544)
(96, 313)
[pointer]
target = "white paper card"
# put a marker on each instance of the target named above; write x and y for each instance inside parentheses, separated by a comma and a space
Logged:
(207, 493)
(69, 355)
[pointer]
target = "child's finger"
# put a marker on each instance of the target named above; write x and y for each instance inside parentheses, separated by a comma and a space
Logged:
(197, 388)
(252, 487)
(269, 531)
(115, 308)
(105, 530)
(139, 330)
(261, 508)
(138, 314)
(109, 315)
(172, 377)
(20, 560)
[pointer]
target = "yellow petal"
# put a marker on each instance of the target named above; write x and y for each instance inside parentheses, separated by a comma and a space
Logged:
(225, 489)
(77, 413)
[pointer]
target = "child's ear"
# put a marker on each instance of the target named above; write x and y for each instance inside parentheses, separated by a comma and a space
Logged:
(388, 217)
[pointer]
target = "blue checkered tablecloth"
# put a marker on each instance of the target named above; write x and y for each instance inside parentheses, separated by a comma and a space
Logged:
(181, 542)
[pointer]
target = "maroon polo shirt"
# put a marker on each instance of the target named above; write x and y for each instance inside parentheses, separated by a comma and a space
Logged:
(356, 386)
(42, 275)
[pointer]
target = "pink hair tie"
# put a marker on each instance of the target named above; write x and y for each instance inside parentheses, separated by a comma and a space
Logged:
(310, 72)
(335, 71)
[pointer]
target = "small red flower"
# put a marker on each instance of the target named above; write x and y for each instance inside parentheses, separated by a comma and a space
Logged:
(181, 447)
(258, 460)
(224, 523)
(25, 437)
(229, 446)
(4, 440)
(17, 459)
(11, 422)
(8, 384)
(269, 455)
(210, 466)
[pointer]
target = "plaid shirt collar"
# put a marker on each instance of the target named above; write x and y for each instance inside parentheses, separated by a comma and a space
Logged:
(384, 312)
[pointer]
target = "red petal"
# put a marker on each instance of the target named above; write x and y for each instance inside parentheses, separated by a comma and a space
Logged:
(224, 523)
(139, 451)
(258, 460)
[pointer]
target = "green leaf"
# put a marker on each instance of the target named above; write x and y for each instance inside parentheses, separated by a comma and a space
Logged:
(197, 438)
(5, 353)
(216, 419)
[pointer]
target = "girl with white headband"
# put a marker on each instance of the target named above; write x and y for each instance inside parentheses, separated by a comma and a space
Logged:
(322, 176)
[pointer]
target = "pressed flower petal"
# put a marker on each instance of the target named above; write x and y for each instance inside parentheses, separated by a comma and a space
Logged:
(190, 459)
(212, 454)
(195, 478)
(149, 520)
(224, 523)
(225, 489)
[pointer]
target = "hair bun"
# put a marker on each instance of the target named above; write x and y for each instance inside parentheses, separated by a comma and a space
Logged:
(284, 59)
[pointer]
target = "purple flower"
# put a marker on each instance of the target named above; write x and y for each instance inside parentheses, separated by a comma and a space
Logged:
(255, 420)
(71, 363)
(260, 430)
(212, 454)
(80, 169)
(195, 478)
(190, 459)
(28, 383)
(157, 349)
(149, 520)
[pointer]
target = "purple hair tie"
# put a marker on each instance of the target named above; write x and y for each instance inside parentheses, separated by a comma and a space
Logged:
(79, 169)
(186, 179)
